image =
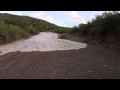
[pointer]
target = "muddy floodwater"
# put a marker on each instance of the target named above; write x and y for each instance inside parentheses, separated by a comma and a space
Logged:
(44, 41)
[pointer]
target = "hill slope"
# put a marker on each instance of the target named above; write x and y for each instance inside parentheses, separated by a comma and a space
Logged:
(13, 27)
(25, 21)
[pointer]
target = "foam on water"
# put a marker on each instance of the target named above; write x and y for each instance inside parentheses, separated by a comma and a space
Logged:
(44, 41)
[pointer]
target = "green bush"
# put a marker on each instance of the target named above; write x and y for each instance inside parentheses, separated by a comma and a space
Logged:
(10, 33)
(61, 30)
(13, 27)
(108, 22)
(62, 36)
(75, 29)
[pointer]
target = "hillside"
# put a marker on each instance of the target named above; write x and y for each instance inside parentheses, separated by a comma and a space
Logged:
(105, 27)
(25, 21)
(14, 27)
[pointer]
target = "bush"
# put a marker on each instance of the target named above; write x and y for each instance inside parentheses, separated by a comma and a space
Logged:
(10, 33)
(14, 27)
(102, 25)
(61, 30)
(62, 36)
(75, 29)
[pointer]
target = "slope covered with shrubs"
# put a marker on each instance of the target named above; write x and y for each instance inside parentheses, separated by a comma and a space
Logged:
(105, 27)
(14, 27)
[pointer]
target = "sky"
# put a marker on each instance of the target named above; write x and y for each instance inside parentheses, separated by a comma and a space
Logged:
(60, 18)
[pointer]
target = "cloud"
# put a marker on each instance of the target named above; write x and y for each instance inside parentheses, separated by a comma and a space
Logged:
(61, 18)
(38, 14)
(49, 19)
(42, 16)
(12, 12)
(75, 19)
(74, 14)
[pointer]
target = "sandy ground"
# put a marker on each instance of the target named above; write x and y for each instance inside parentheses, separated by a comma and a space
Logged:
(44, 41)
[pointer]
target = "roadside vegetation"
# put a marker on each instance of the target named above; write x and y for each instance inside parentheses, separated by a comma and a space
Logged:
(105, 27)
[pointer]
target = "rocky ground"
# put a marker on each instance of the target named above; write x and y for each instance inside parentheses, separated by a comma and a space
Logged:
(93, 62)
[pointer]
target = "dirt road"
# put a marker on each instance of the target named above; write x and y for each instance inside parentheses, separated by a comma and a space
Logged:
(92, 62)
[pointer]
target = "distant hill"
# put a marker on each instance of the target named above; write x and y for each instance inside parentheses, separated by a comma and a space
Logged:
(14, 27)
(25, 21)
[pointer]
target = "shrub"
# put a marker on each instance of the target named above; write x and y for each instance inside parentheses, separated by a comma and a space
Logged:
(62, 36)
(75, 29)
(102, 25)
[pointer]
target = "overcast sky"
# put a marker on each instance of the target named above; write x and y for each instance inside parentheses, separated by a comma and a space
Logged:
(60, 18)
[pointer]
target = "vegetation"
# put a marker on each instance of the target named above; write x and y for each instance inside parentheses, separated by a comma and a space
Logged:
(62, 36)
(102, 26)
(14, 27)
